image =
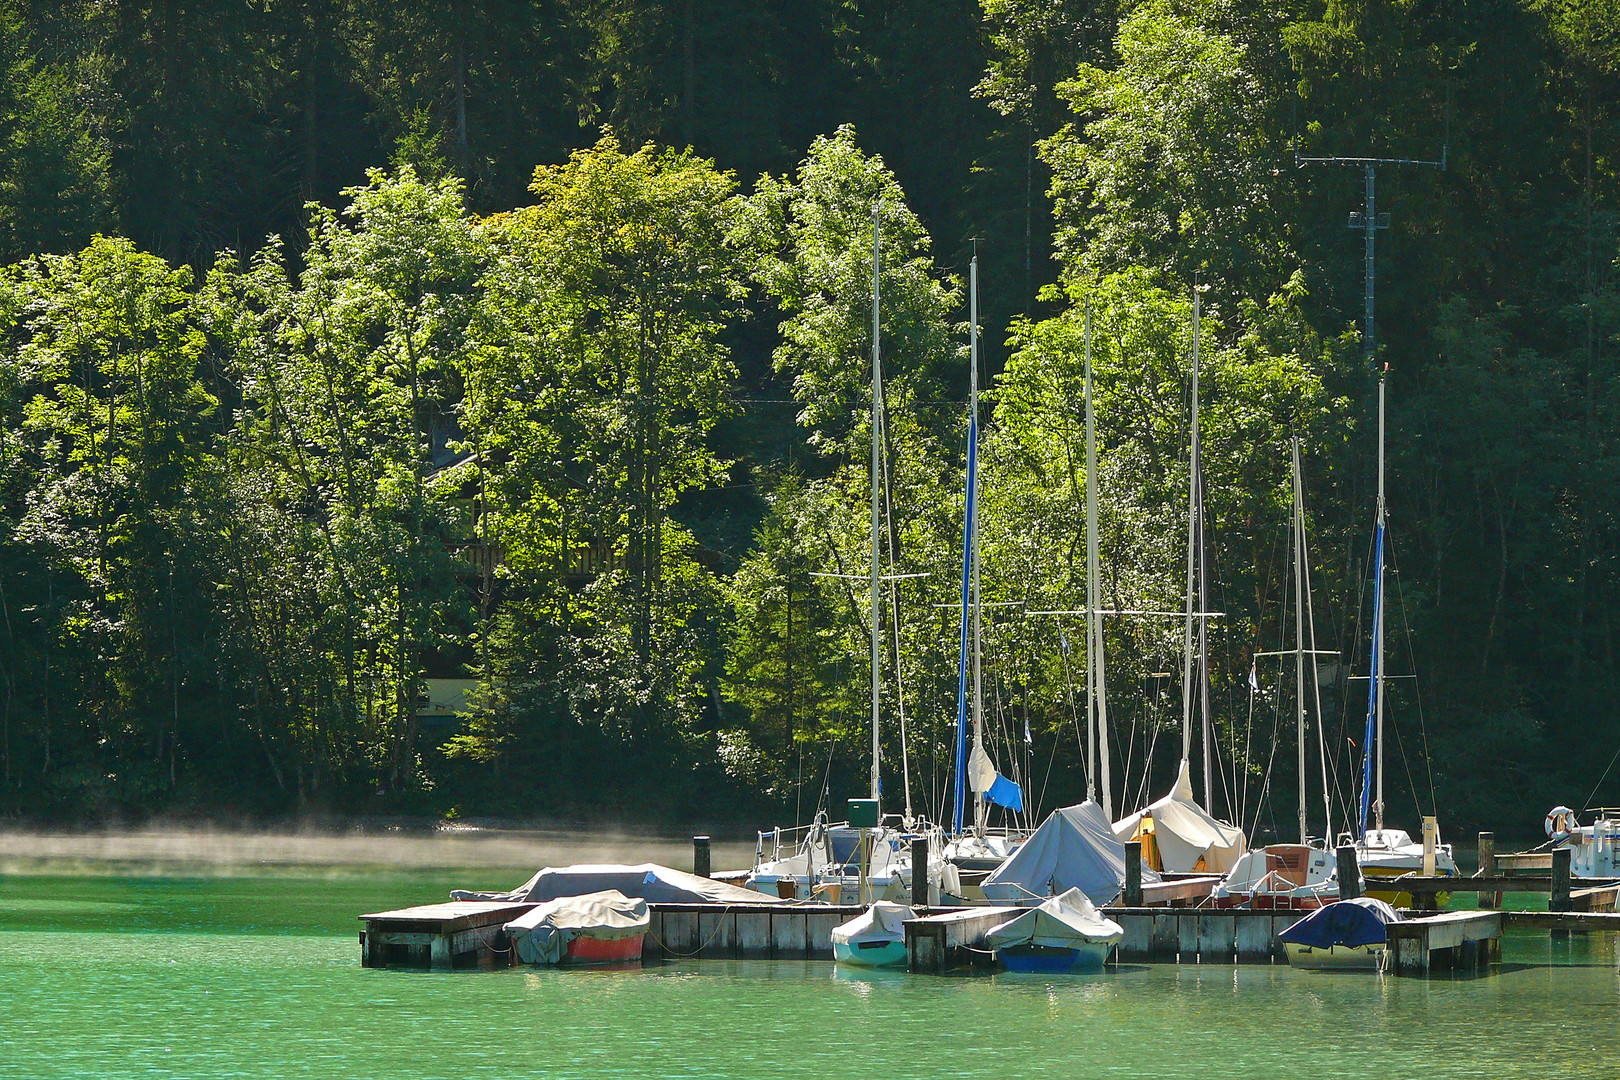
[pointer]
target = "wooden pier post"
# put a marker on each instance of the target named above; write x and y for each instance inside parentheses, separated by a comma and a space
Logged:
(1487, 868)
(1133, 873)
(1349, 872)
(1559, 900)
(919, 871)
(700, 856)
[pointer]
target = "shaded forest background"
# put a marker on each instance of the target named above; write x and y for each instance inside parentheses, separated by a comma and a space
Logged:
(351, 345)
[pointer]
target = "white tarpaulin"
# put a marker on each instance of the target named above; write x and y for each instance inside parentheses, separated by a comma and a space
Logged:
(541, 935)
(1062, 922)
(649, 881)
(883, 921)
(1187, 837)
(1075, 848)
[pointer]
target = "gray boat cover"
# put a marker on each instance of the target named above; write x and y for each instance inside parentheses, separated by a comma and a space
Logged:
(647, 881)
(541, 935)
(883, 921)
(1075, 848)
(1062, 922)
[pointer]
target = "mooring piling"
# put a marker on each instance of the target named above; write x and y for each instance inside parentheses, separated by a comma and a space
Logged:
(1487, 868)
(700, 856)
(1133, 873)
(1349, 872)
(1559, 898)
(919, 871)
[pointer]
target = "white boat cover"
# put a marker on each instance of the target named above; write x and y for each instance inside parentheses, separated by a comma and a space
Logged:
(1186, 833)
(883, 921)
(1061, 922)
(647, 881)
(541, 935)
(1075, 848)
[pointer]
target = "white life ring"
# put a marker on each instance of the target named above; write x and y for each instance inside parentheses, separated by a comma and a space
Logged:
(1560, 822)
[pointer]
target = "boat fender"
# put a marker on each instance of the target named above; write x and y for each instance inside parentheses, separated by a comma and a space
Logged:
(1560, 822)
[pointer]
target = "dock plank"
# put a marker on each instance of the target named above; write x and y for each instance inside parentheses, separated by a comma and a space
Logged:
(1179, 892)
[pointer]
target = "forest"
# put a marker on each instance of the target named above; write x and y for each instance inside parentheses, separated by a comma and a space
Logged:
(353, 350)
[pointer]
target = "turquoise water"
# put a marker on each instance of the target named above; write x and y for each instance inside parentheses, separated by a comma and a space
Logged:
(260, 977)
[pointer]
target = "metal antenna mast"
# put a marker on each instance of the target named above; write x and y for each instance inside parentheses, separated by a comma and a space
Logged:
(1368, 220)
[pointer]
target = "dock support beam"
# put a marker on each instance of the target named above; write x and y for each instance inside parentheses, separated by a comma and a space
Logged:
(700, 856)
(1559, 900)
(1133, 873)
(1349, 872)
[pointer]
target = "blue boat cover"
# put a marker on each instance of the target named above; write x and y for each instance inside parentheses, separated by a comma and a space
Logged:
(1075, 848)
(1348, 922)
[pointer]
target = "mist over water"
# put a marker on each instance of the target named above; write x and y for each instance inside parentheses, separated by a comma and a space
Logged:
(210, 851)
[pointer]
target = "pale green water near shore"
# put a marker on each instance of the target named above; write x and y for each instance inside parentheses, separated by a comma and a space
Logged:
(260, 977)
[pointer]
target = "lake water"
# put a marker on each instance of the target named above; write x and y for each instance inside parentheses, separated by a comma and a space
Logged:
(258, 975)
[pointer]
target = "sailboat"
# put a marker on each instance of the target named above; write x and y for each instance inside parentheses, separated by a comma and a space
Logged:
(1387, 853)
(1075, 849)
(976, 847)
(827, 861)
(1291, 877)
(1177, 834)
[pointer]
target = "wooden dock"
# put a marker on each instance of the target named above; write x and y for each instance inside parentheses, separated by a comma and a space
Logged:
(949, 939)
(1458, 940)
(1201, 935)
(744, 931)
(461, 933)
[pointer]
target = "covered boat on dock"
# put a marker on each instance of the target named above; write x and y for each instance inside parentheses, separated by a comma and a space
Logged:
(1345, 934)
(1179, 836)
(1075, 848)
(1065, 933)
(597, 928)
(874, 938)
(646, 881)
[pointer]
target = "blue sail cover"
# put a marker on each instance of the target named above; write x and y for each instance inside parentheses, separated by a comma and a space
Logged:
(1349, 922)
(1006, 794)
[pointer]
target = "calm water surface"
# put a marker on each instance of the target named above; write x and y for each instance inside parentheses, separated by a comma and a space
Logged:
(104, 976)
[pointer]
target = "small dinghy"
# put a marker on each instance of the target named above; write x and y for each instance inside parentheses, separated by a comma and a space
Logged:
(1345, 934)
(596, 928)
(874, 938)
(1065, 933)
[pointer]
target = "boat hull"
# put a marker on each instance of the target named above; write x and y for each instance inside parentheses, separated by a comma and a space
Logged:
(870, 953)
(1335, 957)
(1052, 960)
(590, 950)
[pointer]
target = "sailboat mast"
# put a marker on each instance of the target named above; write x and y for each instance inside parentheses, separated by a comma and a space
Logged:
(1096, 680)
(1192, 533)
(1299, 631)
(973, 406)
(1378, 614)
(877, 414)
